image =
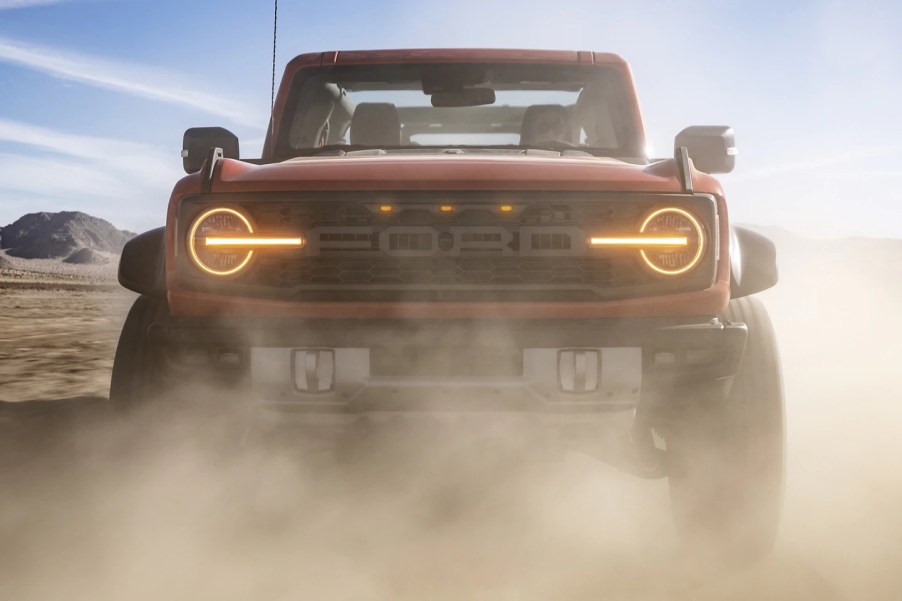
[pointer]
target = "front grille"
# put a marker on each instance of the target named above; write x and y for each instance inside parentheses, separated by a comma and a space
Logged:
(416, 252)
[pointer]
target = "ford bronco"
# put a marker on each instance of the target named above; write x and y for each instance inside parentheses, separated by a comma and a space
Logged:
(478, 233)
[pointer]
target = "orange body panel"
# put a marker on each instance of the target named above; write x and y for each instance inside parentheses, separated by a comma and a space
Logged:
(446, 172)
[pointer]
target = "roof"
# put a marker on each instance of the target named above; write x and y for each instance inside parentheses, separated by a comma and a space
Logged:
(451, 55)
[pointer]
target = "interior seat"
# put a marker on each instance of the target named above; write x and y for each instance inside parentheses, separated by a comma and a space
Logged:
(592, 115)
(546, 123)
(376, 124)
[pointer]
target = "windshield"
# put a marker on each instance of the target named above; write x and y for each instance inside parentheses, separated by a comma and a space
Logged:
(438, 106)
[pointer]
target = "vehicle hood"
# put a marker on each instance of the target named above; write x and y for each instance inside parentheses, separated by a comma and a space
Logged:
(448, 172)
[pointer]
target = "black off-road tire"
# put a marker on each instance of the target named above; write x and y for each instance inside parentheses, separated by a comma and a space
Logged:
(727, 457)
(158, 405)
(134, 383)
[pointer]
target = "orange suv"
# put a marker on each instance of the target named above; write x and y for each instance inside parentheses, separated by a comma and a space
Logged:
(472, 232)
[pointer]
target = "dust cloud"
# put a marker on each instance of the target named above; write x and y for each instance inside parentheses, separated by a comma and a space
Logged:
(93, 506)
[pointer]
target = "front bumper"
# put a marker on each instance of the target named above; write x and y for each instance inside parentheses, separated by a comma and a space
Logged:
(558, 368)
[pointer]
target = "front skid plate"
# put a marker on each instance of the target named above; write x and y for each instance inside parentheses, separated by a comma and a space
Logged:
(282, 377)
(325, 367)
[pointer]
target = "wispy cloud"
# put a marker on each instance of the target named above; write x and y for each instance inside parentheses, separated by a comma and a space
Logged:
(826, 165)
(10, 4)
(56, 183)
(114, 179)
(145, 163)
(88, 147)
(56, 177)
(129, 78)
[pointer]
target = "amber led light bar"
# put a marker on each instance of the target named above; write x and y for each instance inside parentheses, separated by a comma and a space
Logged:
(252, 242)
(639, 241)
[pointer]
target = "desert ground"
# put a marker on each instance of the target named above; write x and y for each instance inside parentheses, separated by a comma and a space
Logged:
(89, 509)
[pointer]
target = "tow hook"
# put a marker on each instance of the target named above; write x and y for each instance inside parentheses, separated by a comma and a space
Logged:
(633, 451)
(642, 457)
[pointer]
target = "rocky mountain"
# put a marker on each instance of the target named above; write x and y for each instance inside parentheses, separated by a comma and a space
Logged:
(69, 235)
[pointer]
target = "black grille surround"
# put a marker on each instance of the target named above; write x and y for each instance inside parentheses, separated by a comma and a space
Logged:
(538, 251)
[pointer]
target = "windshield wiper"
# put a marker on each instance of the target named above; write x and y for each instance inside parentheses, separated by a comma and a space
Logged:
(550, 149)
(343, 149)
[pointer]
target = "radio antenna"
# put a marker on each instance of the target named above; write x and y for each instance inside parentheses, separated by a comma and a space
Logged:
(272, 92)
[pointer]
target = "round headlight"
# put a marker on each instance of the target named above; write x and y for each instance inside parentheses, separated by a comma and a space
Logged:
(678, 259)
(219, 260)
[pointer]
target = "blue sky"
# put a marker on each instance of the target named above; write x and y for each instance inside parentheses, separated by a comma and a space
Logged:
(95, 94)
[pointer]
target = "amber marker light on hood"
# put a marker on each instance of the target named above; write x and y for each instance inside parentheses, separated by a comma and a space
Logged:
(446, 208)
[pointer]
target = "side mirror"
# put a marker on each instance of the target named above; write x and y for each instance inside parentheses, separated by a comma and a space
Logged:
(753, 260)
(141, 266)
(198, 141)
(712, 148)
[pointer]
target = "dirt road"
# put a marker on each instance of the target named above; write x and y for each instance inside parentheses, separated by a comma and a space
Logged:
(57, 340)
(90, 510)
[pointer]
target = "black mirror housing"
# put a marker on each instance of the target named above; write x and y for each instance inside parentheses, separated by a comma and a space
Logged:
(712, 148)
(198, 141)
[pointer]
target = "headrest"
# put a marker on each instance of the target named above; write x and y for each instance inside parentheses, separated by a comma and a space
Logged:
(545, 123)
(311, 130)
(589, 104)
(376, 124)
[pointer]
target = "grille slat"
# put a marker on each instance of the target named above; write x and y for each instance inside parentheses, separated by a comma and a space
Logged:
(500, 270)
